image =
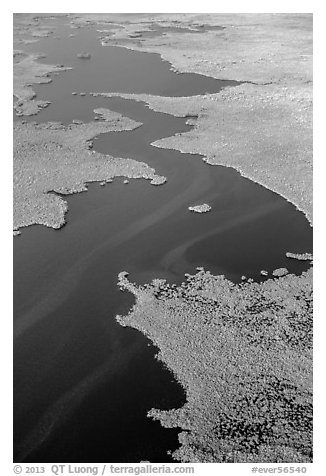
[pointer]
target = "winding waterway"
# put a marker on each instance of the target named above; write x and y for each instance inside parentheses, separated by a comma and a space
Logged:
(82, 383)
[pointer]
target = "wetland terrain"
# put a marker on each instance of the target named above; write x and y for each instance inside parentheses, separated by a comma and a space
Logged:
(163, 238)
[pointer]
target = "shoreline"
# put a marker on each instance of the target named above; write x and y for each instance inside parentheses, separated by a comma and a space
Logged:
(217, 349)
(215, 336)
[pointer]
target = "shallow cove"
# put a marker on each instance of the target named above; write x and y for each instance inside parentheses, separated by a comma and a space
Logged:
(83, 384)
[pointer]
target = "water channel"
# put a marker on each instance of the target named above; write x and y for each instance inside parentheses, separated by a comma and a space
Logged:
(82, 383)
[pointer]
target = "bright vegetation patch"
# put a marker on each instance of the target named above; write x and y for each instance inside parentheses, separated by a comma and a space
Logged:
(243, 354)
(203, 208)
(300, 256)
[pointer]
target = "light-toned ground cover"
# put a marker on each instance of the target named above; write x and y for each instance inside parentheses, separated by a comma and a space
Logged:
(299, 256)
(203, 208)
(251, 47)
(280, 272)
(52, 159)
(243, 354)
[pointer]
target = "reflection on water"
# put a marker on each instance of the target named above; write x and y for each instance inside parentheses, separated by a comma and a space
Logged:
(82, 383)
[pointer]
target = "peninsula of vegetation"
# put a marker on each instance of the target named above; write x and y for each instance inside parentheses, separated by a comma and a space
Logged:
(52, 160)
(243, 354)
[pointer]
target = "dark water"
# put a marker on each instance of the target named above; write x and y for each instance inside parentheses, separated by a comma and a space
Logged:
(82, 383)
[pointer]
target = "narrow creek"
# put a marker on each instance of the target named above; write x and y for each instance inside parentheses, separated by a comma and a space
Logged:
(82, 383)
